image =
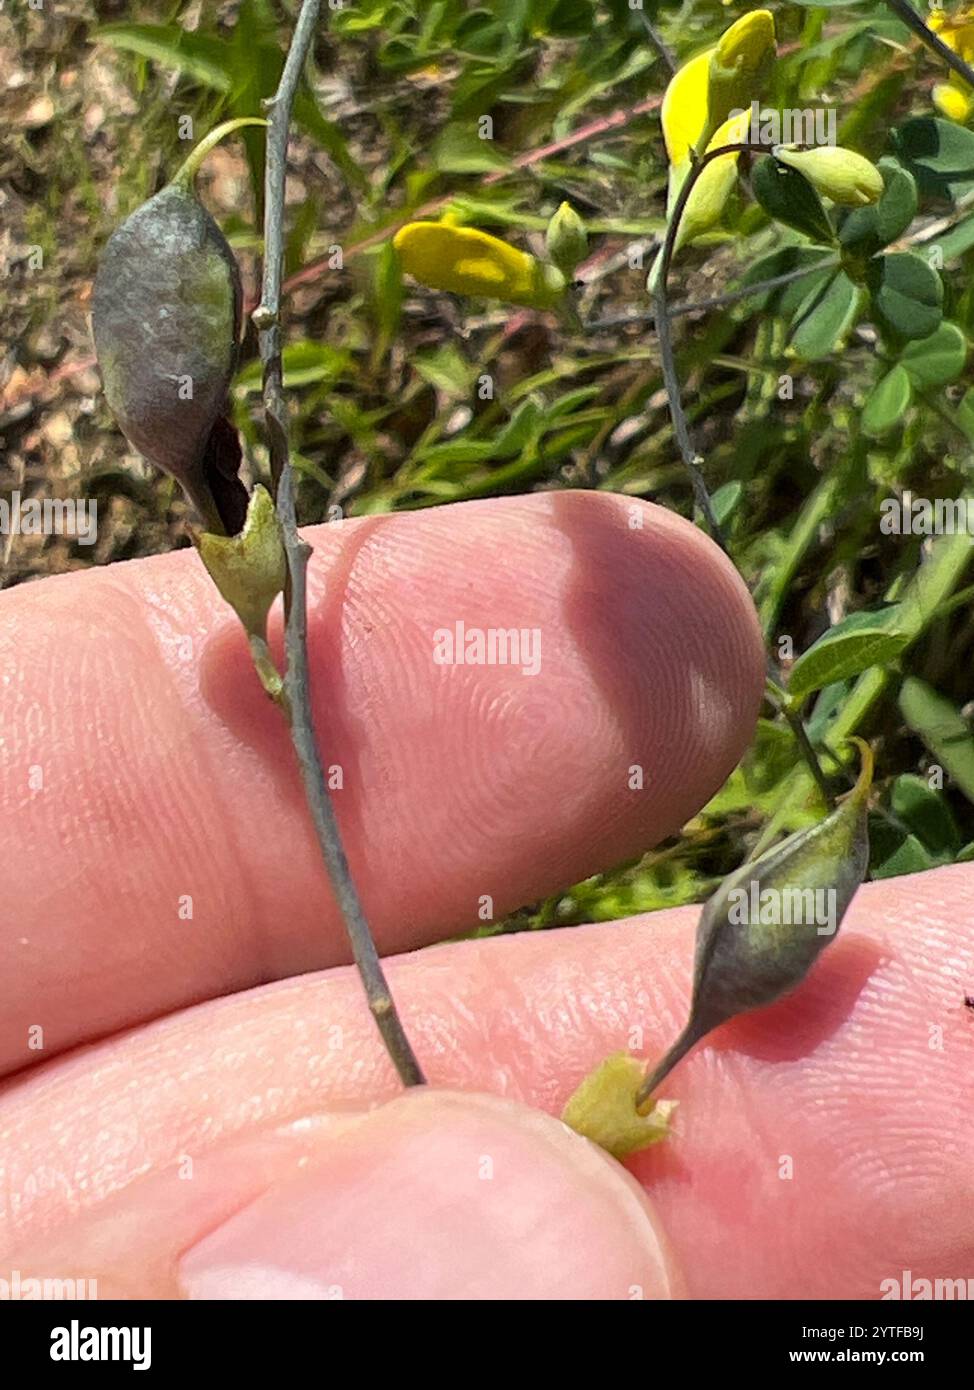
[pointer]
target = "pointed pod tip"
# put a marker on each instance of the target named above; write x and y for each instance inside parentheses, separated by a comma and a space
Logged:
(866, 768)
(188, 170)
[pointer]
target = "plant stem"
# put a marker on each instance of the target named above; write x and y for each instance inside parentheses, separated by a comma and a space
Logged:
(718, 301)
(657, 42)
(671, 379)
(905, 11)
(681, 430)
(297, 693)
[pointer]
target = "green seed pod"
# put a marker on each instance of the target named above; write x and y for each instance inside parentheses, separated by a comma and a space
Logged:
(166, 311)
(763, 929)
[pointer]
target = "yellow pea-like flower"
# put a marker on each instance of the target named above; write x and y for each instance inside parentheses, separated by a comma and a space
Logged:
(725, 77)
(685, 106)
(956, 30)
(741, 64)
(710, 192)
(696, 110)
(842, 175)
(465, 261)
(714, 186)
(955, 98)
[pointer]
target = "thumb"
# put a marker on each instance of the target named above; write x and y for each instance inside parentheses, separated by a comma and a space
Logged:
(443, 1195)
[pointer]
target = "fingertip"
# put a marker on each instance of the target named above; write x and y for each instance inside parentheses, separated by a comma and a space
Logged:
(443, 1195)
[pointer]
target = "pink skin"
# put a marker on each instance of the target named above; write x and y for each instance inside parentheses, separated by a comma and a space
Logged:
(230, 1149)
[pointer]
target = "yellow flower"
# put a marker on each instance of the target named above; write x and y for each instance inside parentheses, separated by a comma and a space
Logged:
(840, 174)
(955, 98)
(957, 31)
(741, 65)
(710, 192)
(714, 186)
(466, 261)
(685, 106)
(696, 106)
(728, 76)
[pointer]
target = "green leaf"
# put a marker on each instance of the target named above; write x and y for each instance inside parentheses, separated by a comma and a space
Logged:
(725, 500)
(939, 154)
(205, 59)
(825, 317)
(937, 360)
(787, 261)
(887, 402)
(867, 230)
(942, 728)
(304, 363)
(851, 646)
(953, 243)
(926, 813)
(907, 294)
(447, 370)
(459, 150)
(895, 854)
(788, 197)
(385, 299)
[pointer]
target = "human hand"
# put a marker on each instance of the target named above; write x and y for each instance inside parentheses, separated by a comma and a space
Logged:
(229, 1149)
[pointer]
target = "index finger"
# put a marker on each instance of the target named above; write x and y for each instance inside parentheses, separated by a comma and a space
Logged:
(159, 850)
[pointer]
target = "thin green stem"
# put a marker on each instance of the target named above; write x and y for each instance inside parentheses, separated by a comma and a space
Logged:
(296, 699)
(671, 380)
(681, 430)
(719, 301)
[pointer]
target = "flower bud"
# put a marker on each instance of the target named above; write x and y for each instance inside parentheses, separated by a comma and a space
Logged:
(714, 186)
(954, 99)
(709, 194)
(463, 260)
(740, 65)
(566, 240)
(837, 173)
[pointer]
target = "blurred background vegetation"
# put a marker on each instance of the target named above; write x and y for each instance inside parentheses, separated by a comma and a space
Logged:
(384, 376)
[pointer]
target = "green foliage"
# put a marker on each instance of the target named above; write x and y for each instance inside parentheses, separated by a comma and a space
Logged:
(852, 646)
(813, 401)
(887, 402)
(789, 198)
(865, 231)
(907, 294)
(824, 318)
(939, 155)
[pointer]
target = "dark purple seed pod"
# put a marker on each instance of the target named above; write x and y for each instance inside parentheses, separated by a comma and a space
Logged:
(166, 318)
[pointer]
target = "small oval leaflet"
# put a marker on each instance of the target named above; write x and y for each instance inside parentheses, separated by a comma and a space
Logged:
(744, 960)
